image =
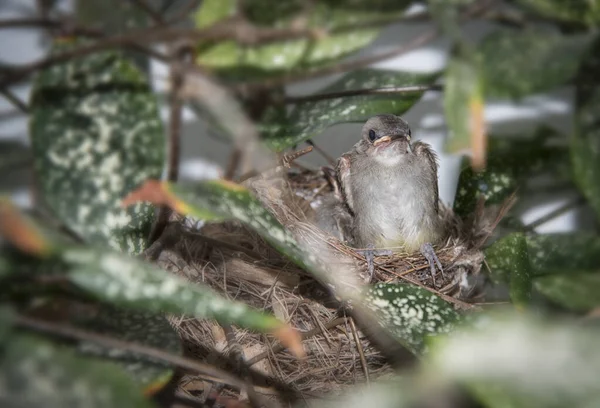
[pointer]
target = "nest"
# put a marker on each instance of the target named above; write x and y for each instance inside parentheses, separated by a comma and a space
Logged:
(240, 265)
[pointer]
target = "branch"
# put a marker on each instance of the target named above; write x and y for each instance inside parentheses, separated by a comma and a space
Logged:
(570, 205)
(12, 98)
(236, 29)
(69, 332)
(367, 91)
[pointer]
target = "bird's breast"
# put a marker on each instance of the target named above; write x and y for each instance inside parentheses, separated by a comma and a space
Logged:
(394, 212)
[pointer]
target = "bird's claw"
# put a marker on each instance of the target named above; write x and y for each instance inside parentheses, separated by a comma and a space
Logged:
(429, 254)
(370, 253)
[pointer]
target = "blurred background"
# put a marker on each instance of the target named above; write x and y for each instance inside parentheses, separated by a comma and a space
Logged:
(204, 154)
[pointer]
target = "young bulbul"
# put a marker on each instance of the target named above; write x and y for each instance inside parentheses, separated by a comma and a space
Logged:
(390, 191)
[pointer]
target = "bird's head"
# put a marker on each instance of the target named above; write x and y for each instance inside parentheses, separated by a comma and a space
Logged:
(386, 136)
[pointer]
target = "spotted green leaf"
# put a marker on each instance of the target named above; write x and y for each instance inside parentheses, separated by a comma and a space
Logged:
(541, 363)
(34, 372)
(575, 291)
(117, 17)
(463, 104)
(219, 200)
(515, 64)
(130, 283)
(143, 328)
(411, 313)
(96, 134)
(509, 258)
(346, 22)
(550, 262)
(510, 163)
(585, 143)
(282, 130)
(578, 11)
(551, 254)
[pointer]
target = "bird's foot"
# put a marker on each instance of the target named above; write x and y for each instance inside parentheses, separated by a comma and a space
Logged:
(371, 253)
(429, 253)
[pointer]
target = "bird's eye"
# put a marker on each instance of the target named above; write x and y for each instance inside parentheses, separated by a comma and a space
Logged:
(372, 135)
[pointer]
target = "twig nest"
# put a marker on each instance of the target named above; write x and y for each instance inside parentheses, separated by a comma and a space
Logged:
(239, 264)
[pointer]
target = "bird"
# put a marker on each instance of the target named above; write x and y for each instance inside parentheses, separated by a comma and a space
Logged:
(386, 194)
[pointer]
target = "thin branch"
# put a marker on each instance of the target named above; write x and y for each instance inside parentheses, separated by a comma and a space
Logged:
(289, 158)
(233, 163)
(322, 152)
(367, 91)
(64, 331)
(14, 99)
(579, 201)
(175, 120)
(359, 347)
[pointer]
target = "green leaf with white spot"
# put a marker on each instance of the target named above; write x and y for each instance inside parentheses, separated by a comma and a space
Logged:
(511, 162)
(220, 200)
(346, 23)
(551, 60)
(509, 258)
(551, 254)
(96, 134)
(541, 363)
(577, 11)
(34, 372)
(573, 290)
(130, 283)
(410, 313)
(143, 328)
(548, 262)
(463, 104)
(281, 130)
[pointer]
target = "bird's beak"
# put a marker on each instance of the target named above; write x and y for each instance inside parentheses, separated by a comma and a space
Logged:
(383, 139)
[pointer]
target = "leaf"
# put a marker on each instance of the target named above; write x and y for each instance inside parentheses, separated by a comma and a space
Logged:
(384, 393)
(127, 282)
(308, 119)
(508, 260)
(585, 143)
(221, 200)
(463, 108)
(138, 327)
(511, 162)
(33, 372)
(411, 313)
(579, 11)
(549, 60)
(551, 254)
(552, 261)
(574, 291)
(346, 23)
(96, 134)
(549, 364)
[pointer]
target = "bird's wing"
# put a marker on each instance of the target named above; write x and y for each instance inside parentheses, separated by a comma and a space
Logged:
(343, 173)
(423, 150)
